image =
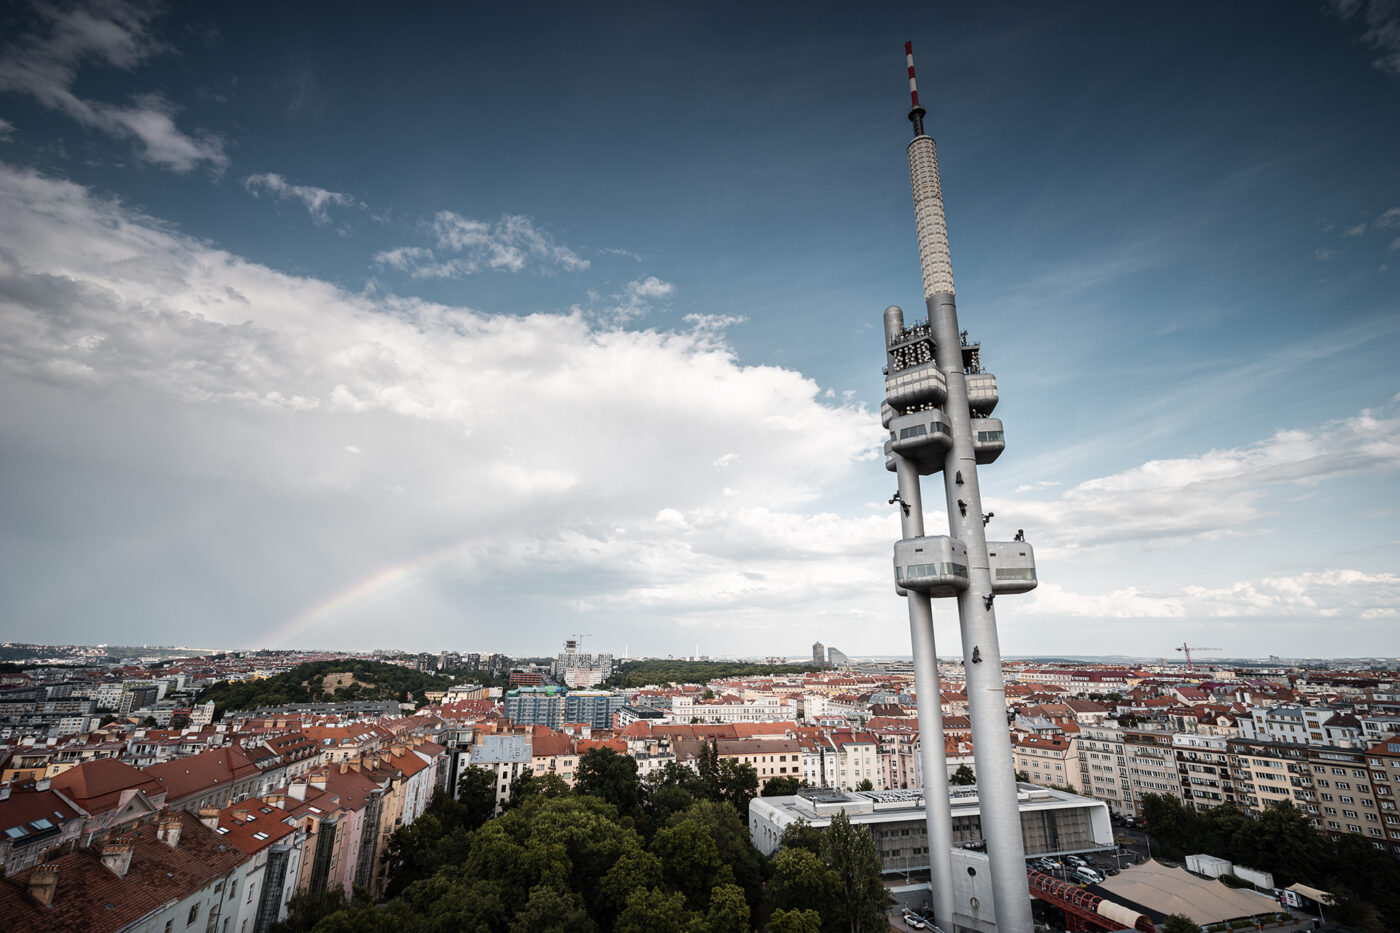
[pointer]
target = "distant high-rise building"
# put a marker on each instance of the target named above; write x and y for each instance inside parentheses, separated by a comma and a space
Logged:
(574, 668)
(837, 658)
(819, 654)
(555, 706)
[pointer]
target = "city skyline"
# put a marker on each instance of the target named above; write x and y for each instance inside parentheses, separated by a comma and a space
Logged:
(443, 332)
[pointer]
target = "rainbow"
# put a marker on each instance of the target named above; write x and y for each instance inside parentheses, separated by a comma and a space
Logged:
(379, 584)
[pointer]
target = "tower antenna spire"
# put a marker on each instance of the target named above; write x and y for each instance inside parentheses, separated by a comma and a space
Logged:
(916, 113)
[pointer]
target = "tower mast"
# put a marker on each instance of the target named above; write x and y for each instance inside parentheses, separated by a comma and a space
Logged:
(937, 409)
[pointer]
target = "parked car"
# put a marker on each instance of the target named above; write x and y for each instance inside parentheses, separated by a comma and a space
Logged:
(1074, 861)
(915, 922)
(1108, 870)
(1086, 876)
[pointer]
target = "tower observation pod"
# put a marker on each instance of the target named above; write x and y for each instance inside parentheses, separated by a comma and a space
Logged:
(938, 411)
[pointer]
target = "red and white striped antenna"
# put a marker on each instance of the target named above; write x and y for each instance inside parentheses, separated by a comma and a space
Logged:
(916, 113)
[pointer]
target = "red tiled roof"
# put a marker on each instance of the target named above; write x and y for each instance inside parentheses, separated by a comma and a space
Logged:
(25, 805)
(242, 824)
(195, 773)
(89, 897)
(97, 786)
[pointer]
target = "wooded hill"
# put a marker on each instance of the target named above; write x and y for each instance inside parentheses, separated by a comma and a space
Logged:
(373, 680)
(642, 673)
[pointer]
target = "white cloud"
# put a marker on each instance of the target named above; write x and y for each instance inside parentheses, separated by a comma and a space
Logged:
(1391, 218)
(1220, 493)
(637, 299)
(650, 289)
(526, 441)
(317, 201)
(113, 34)
(7, 130)
(1355, 231)
(1332, 593)
(1326, 255)
(465, 246)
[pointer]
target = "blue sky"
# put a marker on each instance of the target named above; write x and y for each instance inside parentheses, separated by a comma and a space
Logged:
(480, 329)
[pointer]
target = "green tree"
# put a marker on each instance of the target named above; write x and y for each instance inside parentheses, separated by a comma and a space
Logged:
(305, 910)
(707, 764)
(738, 785)
(781, 786)
(631, 872)
(963, 776)
(799, 834)
(651, 910)
(527, 785)
(690, 860)
(729, 911)
(1180, 923)
(794, 921)
(552, 911)
(476, 792)
(850, 853)
(1171, 825)
(607, 775)
(802, 881)
(865, 784)
(1283, 841)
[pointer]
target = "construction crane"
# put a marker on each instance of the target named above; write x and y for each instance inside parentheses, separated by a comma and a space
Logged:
(1188, 649)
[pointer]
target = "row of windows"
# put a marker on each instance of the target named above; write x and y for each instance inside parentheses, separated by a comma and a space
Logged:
(918, 430)
(917, 571)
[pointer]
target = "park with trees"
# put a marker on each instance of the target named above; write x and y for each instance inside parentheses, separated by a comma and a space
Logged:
(666, 854)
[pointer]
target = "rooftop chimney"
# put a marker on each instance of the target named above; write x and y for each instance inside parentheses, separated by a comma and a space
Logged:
(4, 791)
(168, 831)
(117, 857)
(41, 784)
(209, 816)
(43, 882)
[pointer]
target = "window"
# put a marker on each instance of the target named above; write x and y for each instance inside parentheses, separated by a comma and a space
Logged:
(194, 914)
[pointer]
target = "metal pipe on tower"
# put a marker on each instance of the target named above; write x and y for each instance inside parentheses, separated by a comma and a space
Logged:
(937, 408)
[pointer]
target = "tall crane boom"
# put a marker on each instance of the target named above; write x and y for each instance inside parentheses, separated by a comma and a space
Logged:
(1184, 647)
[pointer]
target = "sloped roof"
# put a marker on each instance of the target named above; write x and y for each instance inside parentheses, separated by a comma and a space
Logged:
(243, 823)
(193, 774)
(25, 806)
(1167, 891)
(97, 786)
(89, 897)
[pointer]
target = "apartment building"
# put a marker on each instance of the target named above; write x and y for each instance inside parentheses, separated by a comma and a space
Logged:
(1048, 759)
(1203, 770)
(1383, 763)
(1151, 761)
(1103, 768)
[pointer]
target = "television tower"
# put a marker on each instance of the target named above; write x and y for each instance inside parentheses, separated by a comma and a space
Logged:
(938, 406)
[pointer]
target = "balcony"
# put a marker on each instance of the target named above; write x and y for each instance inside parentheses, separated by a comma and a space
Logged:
(922, 437)
(988, 439)
(981, 392)
(918, 385)
(935, 565)
(1013, 566)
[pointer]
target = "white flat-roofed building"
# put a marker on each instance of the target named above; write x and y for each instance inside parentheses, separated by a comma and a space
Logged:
(1052, 822)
